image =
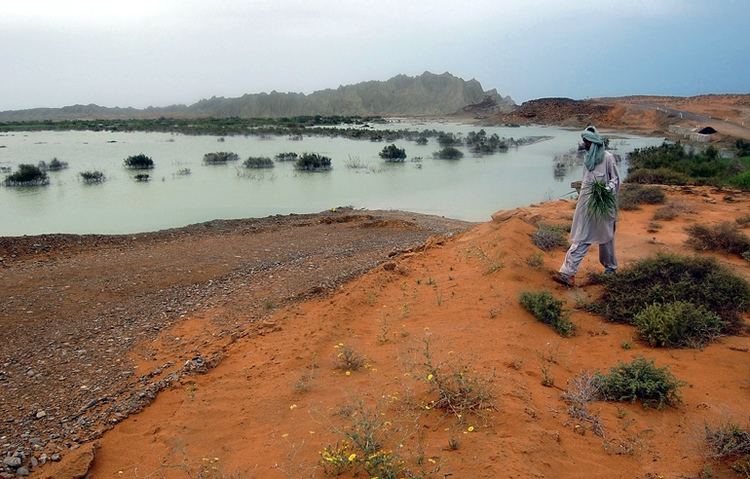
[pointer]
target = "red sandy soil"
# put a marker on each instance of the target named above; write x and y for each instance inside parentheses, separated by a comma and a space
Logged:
(250, 418)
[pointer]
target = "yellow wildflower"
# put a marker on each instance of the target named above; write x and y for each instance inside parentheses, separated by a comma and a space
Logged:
(429, 377)
(348, 373)
(470, 429)
(352, 457)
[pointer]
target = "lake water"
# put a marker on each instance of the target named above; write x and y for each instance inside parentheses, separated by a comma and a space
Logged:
(471, 188)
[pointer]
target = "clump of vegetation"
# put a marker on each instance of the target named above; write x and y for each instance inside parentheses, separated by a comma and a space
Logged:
(139, 162)
(631, 196)
(348, 359)
(142, 177)
(54, 165)
(448, 139)
(679, 324)
(548, 236)
(639, 380)
(582, 390)
(90, 177)
(602, 203)
(725, 237)
(220, 157)
(290, 156)
(731, 443)
(313, 162)
(667, 278)
(27, 175)
(549, 310)
(743, 221)
(535, 260)
(449, 153)
(456, 389)
(258, 162)
(422, 140)
(671, 211)
(657, 176)
(480, 143)
(689, 167)
(393, 154)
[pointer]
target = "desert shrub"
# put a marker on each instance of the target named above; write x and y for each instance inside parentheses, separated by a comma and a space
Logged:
(138, 162)
(729, 442)
(258, 162)
(456, 389)
(313, 162)
(633, 195)
(743, 220)
(393, 154)
(548, 236)
(27, 175)
(92, 176)
(667, 278)
(348, 359)
(677, 325)
(535, 260)
(220, 157)
(639, 380)
(671, 211)
(142, 177)
(725, 237)
(547, 309)
(286, 156)
(449, 153)
(657, 176)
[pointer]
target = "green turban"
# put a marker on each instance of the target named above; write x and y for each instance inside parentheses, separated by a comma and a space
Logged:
(595, 155)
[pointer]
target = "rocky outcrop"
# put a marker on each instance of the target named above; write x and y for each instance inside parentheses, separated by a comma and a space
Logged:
(425, 94)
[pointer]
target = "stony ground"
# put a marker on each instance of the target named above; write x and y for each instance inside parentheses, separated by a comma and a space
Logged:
(76, 308)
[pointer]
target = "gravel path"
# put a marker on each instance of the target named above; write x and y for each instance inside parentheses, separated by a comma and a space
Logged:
(75, 307)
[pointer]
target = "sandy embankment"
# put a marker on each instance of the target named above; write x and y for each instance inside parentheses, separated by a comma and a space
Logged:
(249, 417)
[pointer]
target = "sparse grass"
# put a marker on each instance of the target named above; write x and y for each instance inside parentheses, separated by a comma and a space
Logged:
(671, 211)
(349, 360)
(657, 176)
(639, 380)
(730, 443)
(679, 324)
(535, 260)
(581, 391)
(725, 237)
(456, 389)
(743, 221)
(547, 309)
(548, 236)
(633, 195)
(667, 278)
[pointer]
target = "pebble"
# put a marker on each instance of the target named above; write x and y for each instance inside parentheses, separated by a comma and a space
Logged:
(54, 457)
(41, 414)
(22, 471)
(12, 461)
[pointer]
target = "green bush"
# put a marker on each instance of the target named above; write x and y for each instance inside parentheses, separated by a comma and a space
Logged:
(639, 380)
(393, 154)
(547, 309)
(258, 162)
(92, 176)
(667, 278)
(27, 175)
(657, 176)
(139, 162)
(633, 195)
(448, 139)
(548, 237)
(680, 324)
(449, 153)
(220, 157)
(741, 181)
(725, 237)
(313, 162)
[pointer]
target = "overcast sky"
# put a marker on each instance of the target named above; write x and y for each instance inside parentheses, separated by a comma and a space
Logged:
(160, 52)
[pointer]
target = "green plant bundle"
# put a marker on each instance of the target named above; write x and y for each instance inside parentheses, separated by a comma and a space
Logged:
(678, 324)
(640, 380)
(602, 203)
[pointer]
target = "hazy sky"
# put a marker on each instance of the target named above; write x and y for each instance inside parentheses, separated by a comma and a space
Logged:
(160, 52)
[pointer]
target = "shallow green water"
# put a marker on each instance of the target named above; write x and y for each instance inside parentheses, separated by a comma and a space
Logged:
(471, 188)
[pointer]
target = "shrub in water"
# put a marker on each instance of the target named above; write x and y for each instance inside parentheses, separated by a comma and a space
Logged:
(219, 157)
(722, 237)
(678, 325)
(139, 162)
(633, 195)
(667, 278)
(548, 237)
(27, 175)
(639, 380)
(393, 154)
(313, 162)
(449, 153)
(258, 162)
(142, 177)
(547, 309)
(92, 176)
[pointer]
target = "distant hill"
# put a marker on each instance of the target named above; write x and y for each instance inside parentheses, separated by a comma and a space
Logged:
(425, 94)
